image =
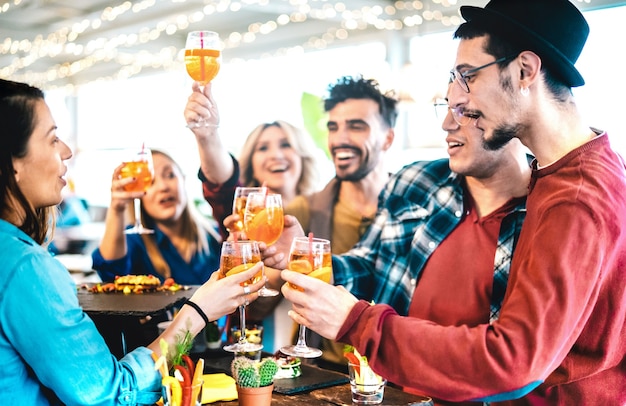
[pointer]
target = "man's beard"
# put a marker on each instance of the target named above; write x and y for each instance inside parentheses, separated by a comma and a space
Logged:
(500, 137)
(503, 134)
(366, 166)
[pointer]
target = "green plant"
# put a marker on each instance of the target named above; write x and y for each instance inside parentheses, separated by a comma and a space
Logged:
(212, 332)
(253, 374)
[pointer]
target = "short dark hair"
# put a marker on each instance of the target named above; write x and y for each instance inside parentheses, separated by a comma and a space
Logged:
(348, 87)
(500, 46)
(17, 115)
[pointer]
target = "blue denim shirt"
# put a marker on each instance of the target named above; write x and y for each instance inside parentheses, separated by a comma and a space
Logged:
(137, 262)
(50, 351)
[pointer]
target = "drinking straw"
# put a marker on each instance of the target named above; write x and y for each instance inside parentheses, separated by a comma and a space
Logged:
(311, 249)
(202, 56)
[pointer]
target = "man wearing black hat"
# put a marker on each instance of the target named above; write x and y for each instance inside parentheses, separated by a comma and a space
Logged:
(561, 335)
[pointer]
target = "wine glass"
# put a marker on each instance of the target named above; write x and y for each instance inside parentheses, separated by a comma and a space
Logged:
(239, 256)
(138, 165)
(203, 58)
(312, 257)
(239, 208)
(264, 221)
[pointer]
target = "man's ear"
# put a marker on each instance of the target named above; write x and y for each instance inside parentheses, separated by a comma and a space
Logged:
(389, 139)
(529, 68)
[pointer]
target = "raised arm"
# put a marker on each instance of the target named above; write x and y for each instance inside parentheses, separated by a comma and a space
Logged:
(113, 244)
(215, 161)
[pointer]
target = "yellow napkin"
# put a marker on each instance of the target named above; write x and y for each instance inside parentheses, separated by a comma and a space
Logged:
(218, 387)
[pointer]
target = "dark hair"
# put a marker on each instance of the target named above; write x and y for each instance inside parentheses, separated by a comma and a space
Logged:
(17, 115)
(500, 46)
(349, 87)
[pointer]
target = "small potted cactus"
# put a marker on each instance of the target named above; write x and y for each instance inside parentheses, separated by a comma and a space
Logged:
(255, 380)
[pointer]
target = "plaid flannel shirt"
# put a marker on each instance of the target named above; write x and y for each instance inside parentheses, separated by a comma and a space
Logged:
(418, 208)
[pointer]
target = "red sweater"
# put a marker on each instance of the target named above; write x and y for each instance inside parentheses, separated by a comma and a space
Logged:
(562, 324)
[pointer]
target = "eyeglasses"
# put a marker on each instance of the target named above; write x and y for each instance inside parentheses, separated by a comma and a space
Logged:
(461, 78)
(458, 113)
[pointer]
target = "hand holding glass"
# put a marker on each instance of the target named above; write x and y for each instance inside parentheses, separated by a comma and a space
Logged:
(312, 257)
(138, 165)
(239, 256)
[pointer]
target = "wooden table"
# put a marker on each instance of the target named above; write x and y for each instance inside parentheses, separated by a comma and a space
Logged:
(122, 318)
(318, 387)
(133, 304)
(336, 395)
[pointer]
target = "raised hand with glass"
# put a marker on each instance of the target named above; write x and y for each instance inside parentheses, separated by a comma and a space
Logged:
(236, 257)
(309, 256)
(138, 165)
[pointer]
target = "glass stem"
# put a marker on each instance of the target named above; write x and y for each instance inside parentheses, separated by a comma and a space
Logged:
(137, 207)
(301, 337)
(242, 319)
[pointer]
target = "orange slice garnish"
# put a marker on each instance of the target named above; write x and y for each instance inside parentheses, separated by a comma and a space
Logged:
(300, 265)
(239, 268)
(324, 274)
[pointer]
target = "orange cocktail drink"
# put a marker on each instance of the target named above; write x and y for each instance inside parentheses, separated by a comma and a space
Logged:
(202, 64)
(239, 203)
(239, 256)
(263, 218)
(311, 257)
(141, 171)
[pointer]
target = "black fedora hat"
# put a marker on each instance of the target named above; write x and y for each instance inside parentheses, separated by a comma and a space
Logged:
(553, 29)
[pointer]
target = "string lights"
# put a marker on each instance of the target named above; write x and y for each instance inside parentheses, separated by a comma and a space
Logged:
(122, 49)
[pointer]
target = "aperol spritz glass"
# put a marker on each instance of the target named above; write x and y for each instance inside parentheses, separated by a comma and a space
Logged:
(138, 165)
(239, 256)
(203, 59)
(264, 221)
(312, 257)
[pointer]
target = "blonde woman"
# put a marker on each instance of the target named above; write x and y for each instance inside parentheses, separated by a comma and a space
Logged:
(184, 246)
(276, 154)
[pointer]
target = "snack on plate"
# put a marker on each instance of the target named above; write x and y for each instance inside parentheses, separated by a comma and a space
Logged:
(136, 284)
(288, 367)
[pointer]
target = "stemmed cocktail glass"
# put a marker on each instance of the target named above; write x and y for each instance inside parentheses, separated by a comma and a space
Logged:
(239, 256)
(263, 220)
(203, 58)
(312, 257)
(239, 208)
(138, 165)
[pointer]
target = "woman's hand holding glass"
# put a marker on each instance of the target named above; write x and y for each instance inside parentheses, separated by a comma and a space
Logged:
(220, 296)
(237, 257)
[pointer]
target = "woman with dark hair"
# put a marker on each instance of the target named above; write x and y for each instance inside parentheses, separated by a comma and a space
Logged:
(50, 350)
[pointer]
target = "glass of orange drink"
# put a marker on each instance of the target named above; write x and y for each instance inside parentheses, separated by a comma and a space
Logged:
(239, 256)
(138, 165)
(239, 205)
(264, 221)
(312, 257)
(203, 59)
(263, 217)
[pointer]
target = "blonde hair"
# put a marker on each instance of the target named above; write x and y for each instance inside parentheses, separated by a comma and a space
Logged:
(301, 143)
(194, 231)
